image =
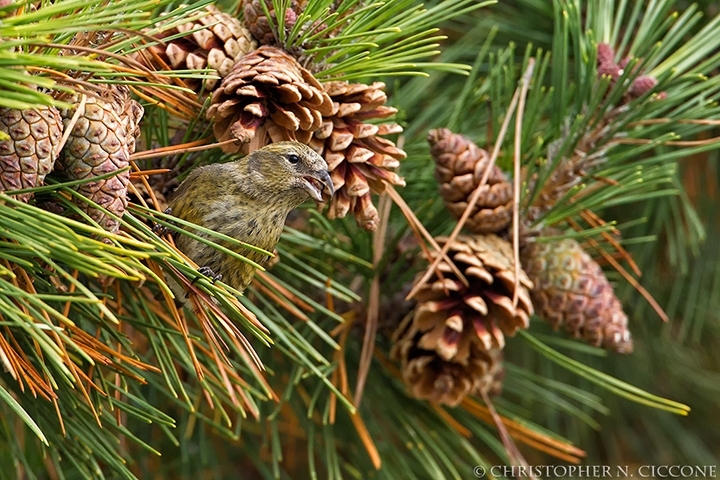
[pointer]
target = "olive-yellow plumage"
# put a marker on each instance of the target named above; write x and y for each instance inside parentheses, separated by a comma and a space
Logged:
(249, 200)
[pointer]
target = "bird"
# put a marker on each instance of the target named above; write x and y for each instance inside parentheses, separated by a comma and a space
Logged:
(249, 200)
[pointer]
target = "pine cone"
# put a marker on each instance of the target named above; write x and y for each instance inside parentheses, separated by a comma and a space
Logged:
(268, 97)
(572, 290)
(257, 21)
(218, 46)
(30, 152)
(459, 167)
(361, 162)
(101, 142)
(429, 377)
(452, 316)
(451, 345)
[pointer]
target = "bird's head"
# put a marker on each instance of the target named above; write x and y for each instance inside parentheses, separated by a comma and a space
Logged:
(292, 169)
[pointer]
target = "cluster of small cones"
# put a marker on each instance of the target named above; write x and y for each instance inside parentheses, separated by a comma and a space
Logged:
(100, 142)
(606, 65)
(451, 344)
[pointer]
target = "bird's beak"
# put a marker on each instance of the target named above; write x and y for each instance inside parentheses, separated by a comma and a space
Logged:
(316, 183)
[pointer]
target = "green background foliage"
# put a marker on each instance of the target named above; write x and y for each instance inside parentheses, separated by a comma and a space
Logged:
(456, 64)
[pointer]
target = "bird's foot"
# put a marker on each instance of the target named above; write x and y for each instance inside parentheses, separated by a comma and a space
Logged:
(162, 230)
(208, 272)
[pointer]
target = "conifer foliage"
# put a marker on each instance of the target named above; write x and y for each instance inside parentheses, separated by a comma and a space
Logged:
(507, 209)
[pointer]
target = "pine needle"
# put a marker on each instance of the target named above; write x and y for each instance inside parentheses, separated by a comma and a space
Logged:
(521, 433)
(194, 146)
(367, 440)
(422, 233)
(516, 458)
(517, 180)
(68, 129)
(450, 420)
(594, 220)
(373, 302)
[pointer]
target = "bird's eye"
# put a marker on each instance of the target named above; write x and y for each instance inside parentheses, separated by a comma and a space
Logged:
(292, 158)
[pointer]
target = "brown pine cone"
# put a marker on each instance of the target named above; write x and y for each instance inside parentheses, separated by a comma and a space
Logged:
(459, 167)
(572, 290)
(217, 41)
(453, 316)
(429, 377)
(361, 162)
(450, 345)
(257, 21)
(30, 152)
(268, 97)
(101, 142)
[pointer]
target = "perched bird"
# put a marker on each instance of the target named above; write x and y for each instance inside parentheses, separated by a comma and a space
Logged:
(247, 199)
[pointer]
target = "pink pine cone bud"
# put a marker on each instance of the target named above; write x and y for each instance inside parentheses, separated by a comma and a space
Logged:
(605, 54)
(611, 69)
(290, 18)
(642, 85)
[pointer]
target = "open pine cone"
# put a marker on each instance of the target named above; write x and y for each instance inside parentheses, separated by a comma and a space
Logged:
(30, 152)
(217, 41)
(453, 316)
(101, 142)
(268, 97)
(451, 344)
(430, 377)
(572, 290)
(361, 162)
(459, 167)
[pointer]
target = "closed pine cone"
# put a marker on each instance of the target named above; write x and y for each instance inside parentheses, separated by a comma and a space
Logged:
(217, 47)
(101, 142)
(361, 161)
(268, 97)
(257, 21)
(571, 290)
(459, 167)
(30, 152)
